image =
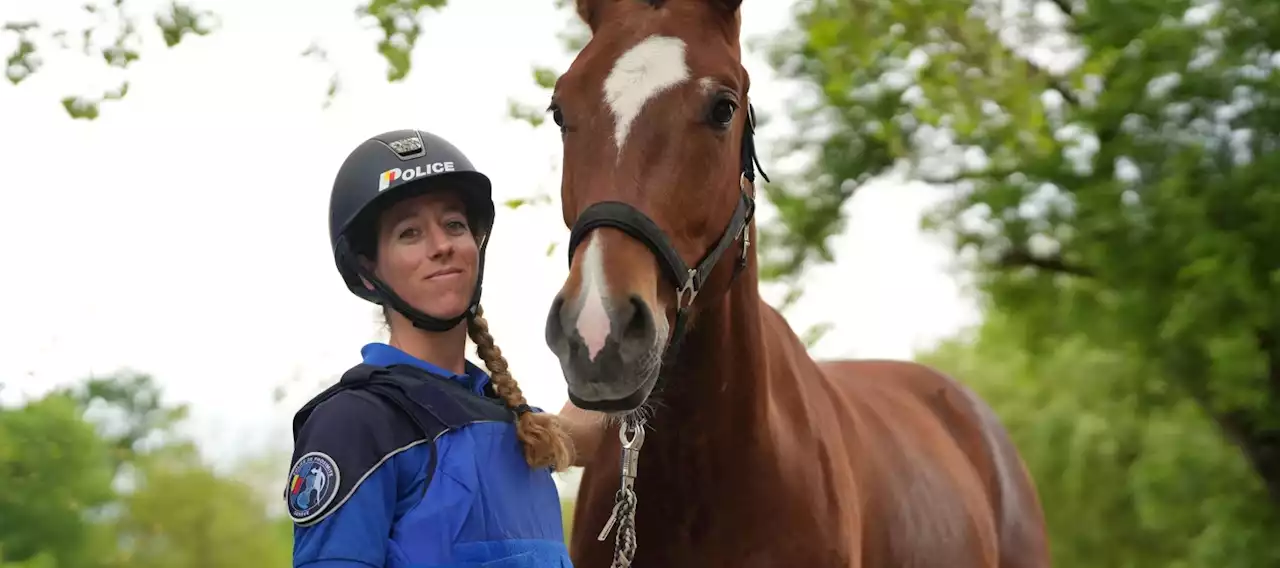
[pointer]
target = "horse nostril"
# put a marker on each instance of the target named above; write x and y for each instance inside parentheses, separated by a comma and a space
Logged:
(637, 325)
(555, 322)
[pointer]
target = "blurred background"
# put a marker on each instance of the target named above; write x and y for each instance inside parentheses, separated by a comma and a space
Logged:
(1067, 204)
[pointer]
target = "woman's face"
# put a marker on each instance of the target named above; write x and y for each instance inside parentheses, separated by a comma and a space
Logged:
(427, 254)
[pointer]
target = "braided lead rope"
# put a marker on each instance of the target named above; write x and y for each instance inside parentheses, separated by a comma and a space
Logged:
(624, 508)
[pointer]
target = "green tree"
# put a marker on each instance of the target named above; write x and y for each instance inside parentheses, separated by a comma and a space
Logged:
(1123, 187)
(128, 409)
(97, 476)
(1123, 482)
(54, 473)
(183, 514)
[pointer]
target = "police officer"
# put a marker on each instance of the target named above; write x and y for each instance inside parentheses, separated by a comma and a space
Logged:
(417, 457)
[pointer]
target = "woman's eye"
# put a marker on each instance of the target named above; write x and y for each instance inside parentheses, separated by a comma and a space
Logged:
(457, 226)
(409, 233)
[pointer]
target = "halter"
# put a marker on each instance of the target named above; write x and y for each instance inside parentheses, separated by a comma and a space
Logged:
(688, 282)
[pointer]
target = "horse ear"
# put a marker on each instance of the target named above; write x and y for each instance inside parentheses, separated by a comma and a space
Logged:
(729, 6)
(589, 11)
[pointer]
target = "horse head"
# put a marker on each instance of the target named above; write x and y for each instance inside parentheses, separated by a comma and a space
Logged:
(657, 188)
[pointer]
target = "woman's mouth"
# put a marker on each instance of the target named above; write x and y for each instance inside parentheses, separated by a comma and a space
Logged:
(445, 273)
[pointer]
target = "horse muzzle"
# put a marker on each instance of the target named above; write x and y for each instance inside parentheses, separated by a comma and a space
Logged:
(610, 354)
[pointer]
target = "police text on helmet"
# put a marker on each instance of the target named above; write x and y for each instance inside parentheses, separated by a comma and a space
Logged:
(384, 180)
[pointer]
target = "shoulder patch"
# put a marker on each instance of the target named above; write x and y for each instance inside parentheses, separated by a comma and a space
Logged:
(313, 484)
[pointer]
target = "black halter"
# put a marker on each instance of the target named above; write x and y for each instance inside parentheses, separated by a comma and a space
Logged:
(688, 281)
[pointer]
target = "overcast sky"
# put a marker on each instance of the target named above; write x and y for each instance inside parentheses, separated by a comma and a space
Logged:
(184, 233)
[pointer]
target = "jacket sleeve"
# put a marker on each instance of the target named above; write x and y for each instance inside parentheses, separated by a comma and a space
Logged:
(342, 490)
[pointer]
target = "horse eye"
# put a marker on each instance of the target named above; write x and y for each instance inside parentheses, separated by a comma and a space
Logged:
(557, 115)
(722, 113)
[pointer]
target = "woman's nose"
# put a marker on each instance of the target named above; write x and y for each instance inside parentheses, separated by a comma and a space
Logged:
(439, 242)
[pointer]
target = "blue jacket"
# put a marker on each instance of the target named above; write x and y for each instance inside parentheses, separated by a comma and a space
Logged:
(403, 464)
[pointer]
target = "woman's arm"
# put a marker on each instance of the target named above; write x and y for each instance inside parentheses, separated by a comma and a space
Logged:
(341, 493)
(586, 428)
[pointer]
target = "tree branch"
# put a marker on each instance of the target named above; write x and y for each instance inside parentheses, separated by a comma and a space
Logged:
(1061, 88)
(1020, 258)
(1260, 441)
(983, 175)
(1050, 79)
(1270, 347)
(1261, 447)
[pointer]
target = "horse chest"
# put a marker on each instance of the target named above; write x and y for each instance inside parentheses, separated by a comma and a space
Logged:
(739, 521)
(780, 545)
(740, 528)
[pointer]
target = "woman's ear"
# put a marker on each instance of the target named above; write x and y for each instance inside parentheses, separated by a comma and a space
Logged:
(369, 266)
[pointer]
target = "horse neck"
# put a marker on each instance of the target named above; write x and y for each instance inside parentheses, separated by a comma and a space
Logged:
(718, 382)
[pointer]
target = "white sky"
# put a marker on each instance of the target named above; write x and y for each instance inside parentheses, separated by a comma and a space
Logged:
(184, 233)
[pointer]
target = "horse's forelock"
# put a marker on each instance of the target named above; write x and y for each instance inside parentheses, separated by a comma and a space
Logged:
(591, 11)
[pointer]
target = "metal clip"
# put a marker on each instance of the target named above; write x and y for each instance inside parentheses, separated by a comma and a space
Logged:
(688, 291)
(631, 449)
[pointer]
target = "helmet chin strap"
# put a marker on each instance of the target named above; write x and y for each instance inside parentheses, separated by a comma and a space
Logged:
(385, 296)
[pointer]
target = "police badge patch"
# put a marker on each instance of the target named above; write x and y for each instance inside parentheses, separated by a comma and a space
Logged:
(313, 484)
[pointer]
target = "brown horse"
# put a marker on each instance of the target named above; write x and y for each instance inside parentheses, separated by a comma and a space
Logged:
(757, 456)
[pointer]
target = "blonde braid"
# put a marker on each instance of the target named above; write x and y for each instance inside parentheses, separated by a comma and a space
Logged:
(545, 442)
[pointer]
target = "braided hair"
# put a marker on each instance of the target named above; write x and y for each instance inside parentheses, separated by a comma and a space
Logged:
(546, 444)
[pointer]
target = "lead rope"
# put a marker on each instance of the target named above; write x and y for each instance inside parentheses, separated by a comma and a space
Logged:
(624, 508)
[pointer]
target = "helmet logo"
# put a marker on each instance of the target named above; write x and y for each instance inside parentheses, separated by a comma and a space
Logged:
(424, 170)
(406, 146)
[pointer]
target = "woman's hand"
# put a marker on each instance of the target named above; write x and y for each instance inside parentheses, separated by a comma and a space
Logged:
(586, 428)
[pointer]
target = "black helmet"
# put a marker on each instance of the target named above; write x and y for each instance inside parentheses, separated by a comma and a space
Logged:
(382, 171)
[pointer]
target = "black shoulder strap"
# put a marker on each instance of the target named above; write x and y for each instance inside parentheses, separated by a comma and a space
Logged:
(445, 401)
(355, 376)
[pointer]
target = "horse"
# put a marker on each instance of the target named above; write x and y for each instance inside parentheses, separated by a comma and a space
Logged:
(756, 454)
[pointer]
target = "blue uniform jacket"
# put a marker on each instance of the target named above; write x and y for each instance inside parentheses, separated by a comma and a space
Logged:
(403, 464)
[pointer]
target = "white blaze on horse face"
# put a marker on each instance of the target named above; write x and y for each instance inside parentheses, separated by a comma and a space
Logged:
(593, 318)
(651, 67)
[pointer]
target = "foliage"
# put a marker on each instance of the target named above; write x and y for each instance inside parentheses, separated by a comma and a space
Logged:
(96, 476)
(1122, 482)
(1110, 166)
(112, 32)
(54, 470)
(187, 515)
(129, 413)
(115, 32)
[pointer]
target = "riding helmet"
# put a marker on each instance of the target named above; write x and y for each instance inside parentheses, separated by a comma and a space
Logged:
(383, 170)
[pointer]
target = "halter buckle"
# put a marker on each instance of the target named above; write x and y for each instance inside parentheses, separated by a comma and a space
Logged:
(689, 290)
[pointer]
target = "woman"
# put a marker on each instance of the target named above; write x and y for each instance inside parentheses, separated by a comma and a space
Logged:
(417, 457)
